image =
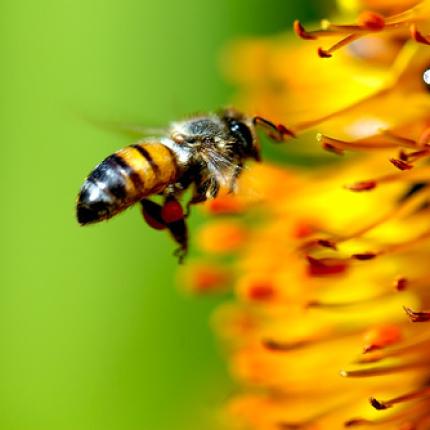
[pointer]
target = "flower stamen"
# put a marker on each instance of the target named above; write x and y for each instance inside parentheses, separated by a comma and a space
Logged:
(421, 174)
(368, 22)
(383, 370)
(381, 405)
(413, 414)
(401, 350)
(418, 36)
(417, 316)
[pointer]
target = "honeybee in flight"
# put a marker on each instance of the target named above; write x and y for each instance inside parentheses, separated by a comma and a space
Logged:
(202, 152)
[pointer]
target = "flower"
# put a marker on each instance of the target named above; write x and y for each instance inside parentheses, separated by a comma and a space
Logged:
(371, 23)
(329, 268)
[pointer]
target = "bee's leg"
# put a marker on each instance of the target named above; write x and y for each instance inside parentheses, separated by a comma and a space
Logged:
(276, 132)
(169, 216)
(236, 173)
(152, 213)
(173, 216)
(179, 232)
(204, 190)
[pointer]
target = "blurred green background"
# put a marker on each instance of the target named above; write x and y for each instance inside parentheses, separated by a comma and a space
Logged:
(93, 332)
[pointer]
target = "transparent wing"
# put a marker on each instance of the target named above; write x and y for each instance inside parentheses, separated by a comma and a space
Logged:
(133, 130)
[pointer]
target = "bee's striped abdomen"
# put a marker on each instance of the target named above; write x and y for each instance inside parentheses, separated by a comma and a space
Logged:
(124, 178)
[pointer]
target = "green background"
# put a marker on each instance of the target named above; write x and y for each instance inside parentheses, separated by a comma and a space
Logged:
(93, 332)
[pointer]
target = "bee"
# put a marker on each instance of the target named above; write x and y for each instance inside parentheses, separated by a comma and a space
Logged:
(203, 153)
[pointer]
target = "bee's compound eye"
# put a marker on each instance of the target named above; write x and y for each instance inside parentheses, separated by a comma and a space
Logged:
(242, 131)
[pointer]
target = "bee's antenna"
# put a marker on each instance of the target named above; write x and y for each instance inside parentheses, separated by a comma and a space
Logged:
(277, 132)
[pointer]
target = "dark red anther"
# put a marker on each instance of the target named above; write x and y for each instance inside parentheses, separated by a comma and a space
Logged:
(285, 131)
(400, 164)
(326, 266)
(301, 32)
(332, 148)
(371, 21)
(417, 316)
(325, 243)
(276, 346)
(403, 155)
(323, 54)
(364, 256)
(380, 406)
(401, 284)
(172, 211)
(362, 186)
(355, 422)
(418, 36)
(371, 348)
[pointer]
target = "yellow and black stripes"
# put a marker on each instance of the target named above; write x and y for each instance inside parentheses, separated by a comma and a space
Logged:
(124, 178)
(154, 163)
(148, 157)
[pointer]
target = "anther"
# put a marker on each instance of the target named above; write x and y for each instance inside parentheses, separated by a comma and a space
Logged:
(381, 405)
(400, 164)
(362, 186)
(381, 337)
(326, 243)
(364, 256)
(371, 21)
(285, 131)
(332, 148)
(417, 316)
(276, 346)
(322, 53)
(418, 36)
(401, 284)
(301, 32)
(326, 266)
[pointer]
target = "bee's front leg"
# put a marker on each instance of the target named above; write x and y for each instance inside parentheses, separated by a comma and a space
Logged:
(168, 216)
(235, 175)
(204, 190)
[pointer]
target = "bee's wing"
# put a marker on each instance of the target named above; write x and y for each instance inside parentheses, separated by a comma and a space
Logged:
(129, 129)
(135, 130)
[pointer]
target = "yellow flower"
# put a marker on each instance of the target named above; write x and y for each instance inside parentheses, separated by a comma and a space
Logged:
(372, 23)
(356, 92)
(320, 288)
(382, 6)
(330, 273)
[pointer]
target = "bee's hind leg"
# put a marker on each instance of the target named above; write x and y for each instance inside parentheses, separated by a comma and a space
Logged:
(151, 212)
(174, 217)
(168, 216)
